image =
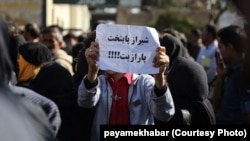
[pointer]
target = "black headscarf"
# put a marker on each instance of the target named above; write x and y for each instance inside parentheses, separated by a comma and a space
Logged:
(188, 85)
(173, 47)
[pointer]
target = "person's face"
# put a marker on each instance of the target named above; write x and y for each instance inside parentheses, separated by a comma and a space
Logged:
(223, 51)
(25, 34)
(194, 38)
(51, 42)
(205, 37)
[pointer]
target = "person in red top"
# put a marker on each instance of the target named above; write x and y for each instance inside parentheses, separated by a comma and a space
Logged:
(120, 104)
(125, 98)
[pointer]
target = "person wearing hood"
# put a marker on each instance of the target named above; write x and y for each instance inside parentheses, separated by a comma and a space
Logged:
(20, 119)
(187, 82)
(36, 54)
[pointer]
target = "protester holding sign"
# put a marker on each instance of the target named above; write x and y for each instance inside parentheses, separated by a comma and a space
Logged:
(124, 97)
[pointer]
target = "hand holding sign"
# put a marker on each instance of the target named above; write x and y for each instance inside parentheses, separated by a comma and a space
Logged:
(127, 48)
(92, 55)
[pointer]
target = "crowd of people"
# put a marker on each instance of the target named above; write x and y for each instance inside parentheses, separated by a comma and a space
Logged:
(52, 88)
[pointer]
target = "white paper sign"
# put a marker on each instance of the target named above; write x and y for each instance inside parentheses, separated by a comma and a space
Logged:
(127, 48)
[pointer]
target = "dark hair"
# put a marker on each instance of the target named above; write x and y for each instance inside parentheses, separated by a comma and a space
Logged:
(212, 30)
(70, 35)
(33, 29)
(234, 35)
(90, 37)
(196, 32)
